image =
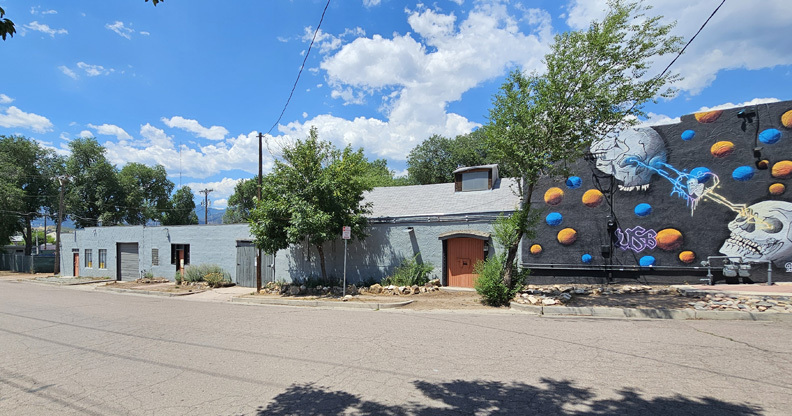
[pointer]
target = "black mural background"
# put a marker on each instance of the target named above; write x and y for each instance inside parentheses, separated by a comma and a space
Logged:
(704, 232)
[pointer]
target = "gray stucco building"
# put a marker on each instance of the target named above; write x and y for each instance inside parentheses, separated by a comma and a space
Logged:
(447, 225)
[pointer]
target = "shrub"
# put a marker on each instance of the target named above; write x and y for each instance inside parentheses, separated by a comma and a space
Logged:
(489, 283)
(410, 272)
(217, 279)
(178, 278)
(210, 273)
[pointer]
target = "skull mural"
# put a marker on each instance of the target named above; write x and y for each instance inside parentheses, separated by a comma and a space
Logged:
(630, 156)
(761, 232)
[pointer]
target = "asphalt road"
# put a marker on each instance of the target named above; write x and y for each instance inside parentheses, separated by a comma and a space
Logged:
(74, 351)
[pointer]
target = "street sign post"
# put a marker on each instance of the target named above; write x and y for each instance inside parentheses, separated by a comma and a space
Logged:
(346, 234)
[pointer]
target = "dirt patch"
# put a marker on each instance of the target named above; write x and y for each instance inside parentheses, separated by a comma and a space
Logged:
(440, 299)
(9, 275)
(169, 287)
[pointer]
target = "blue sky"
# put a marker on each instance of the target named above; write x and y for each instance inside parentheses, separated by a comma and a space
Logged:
(188, 84)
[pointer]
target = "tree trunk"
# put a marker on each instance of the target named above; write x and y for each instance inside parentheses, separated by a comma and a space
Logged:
(513, 248)
(320, 249)
(28, 236)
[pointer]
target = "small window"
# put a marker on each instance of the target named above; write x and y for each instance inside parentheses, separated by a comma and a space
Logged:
(155, 257)
(102, 258)
(180, 251)
(475, 181)
(88, 258)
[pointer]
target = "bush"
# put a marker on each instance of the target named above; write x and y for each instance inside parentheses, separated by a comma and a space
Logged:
(410, 273)
(489, 283)
(213, 274)
(178, 278)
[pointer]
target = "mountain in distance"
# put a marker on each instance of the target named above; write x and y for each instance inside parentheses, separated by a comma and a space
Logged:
(215, 216)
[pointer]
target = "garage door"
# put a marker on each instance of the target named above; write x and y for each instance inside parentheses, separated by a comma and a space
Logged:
(128, 265)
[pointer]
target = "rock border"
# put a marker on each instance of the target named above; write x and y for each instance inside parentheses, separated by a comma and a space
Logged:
(648, 313)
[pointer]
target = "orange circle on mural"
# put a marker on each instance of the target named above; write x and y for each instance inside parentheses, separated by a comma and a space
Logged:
(782, 169)
(669, 239)
(722, 149)
(708, 116)
(687, 256)
(554, 196)
(536, 249)
(593, 198)
(777, 189)
(786, 119)
(567, 236)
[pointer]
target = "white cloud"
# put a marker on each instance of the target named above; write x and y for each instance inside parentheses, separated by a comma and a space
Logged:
(94, 70)
(144, 33)
(327, 42)
(211, 133)
(111, 130)
(371, 3)
(119, 28)
(221, 190)
(49, 12)
(40, 27)
(4, 99)
(68, 72)
(755, 101)
(85, 134)
(37, 10)
(739, 36)
(14, 117)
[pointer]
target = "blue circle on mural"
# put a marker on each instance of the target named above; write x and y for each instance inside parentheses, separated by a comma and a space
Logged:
(643, 209)
(743, 173)
(701, 174)
(554, 218)
(574, 182)
(688, 134)
(647, 261)
(770, 136)
(586, 258)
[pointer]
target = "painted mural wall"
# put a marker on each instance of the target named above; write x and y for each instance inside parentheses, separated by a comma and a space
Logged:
(668, 196)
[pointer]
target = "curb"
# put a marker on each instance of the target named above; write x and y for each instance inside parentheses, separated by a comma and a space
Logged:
(147, 292)
(681, 314)
(86, 282)
(319, 303)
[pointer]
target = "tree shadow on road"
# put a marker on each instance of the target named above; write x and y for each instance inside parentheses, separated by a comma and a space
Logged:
(554, 397)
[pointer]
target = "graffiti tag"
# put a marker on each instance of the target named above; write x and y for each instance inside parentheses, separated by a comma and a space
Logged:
(788, 267)
(636, 239)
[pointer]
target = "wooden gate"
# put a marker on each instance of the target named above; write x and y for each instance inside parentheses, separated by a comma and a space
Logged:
(462, 255)
(246, 264)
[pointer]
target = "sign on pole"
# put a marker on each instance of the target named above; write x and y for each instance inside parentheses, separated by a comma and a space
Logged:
(346, 234)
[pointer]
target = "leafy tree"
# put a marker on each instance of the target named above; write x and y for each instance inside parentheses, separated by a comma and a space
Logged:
(310, 195)
(595, 83)
(28, 171)
(436, 158)
(181, 208)
(145, 192)
(242, 201)
(94, 191)
(377, 174)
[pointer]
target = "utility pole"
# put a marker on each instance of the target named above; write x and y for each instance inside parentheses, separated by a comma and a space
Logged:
(62, 180)
(258, 250)
(206, 203)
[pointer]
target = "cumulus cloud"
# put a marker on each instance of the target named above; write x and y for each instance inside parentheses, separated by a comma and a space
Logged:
(40, 27)
(119, 28)
(94, 70)
(68, 72)
(755, 101)
(85, 134)
(13, 117)
(111, 130)
(221, 190)
(211, 133)
(4, 99)
(751, 44)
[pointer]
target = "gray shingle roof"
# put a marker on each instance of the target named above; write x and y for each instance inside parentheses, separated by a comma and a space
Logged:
(440, 199)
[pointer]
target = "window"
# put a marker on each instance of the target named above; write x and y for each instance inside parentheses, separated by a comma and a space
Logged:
(102, 258)
(475, 181)
(155, 257)
(88, 258)
(180, 251)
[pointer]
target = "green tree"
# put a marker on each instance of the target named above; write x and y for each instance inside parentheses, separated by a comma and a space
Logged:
(436, 158)
(28, 171)
(94, 192)
(596, 81)
(146, 192)
(242, 201)
(181, 208)
(376, 174)
(310, 195)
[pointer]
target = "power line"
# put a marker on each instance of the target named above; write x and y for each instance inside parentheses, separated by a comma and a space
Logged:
(301, 68)
(691, 39)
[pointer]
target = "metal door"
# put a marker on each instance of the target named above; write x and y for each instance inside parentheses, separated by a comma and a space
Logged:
(246, 264)
(463, 254)
(128, 261)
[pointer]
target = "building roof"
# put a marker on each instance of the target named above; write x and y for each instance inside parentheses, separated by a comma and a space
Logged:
(440, 199)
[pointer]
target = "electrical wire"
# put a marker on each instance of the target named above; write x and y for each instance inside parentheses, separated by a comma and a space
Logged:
(316, 32)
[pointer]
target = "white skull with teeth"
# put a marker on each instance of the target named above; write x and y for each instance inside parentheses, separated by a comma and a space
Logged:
(761, 232)
(625, 156)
